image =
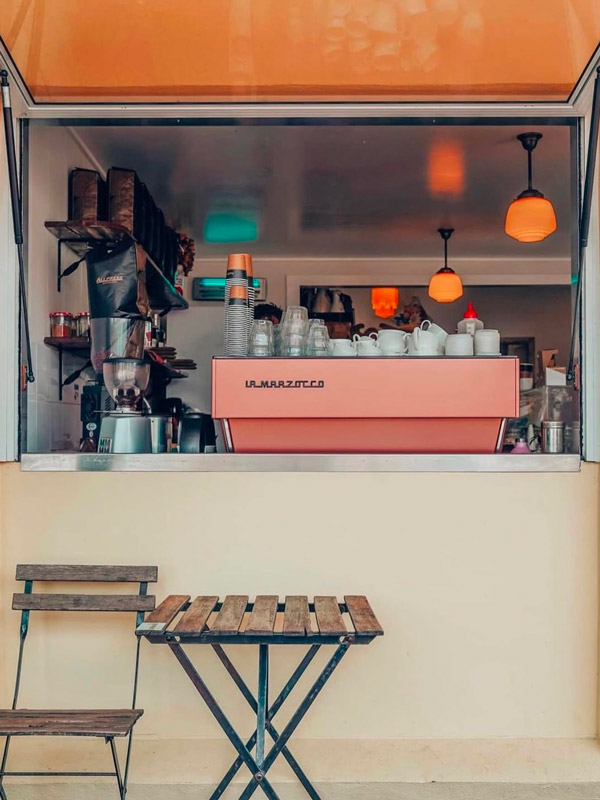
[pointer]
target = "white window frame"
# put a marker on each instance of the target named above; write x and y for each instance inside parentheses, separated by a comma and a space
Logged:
(578, 105)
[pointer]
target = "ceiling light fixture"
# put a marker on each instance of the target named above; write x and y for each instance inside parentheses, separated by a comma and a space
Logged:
(531, 217)
(384, 301)
(445, 286)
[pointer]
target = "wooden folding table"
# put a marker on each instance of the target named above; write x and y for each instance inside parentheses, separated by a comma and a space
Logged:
(264, 622)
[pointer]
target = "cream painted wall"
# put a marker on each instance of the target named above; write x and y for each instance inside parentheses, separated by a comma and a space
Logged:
(486, 585)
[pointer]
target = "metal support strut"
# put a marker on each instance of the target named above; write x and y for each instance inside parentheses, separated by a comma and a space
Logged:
(260, 765)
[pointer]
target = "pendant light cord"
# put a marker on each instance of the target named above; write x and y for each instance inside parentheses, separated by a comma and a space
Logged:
(529, 170)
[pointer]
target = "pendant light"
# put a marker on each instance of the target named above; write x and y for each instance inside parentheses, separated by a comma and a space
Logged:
(531, 217)
(445, 286)
(384, 301)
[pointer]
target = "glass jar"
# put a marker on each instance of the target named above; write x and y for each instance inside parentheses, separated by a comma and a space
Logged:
(82, 325)
(61, 324)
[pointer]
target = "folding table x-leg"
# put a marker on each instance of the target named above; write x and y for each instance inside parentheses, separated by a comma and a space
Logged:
(269, 623)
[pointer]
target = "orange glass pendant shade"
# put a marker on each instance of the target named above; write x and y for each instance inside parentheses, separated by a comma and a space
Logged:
(384, 301)
(445, 286)
(530, 219)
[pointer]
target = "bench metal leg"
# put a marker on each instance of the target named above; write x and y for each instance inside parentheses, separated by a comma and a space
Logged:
(202, 688)
(281, 697)
(297, 717)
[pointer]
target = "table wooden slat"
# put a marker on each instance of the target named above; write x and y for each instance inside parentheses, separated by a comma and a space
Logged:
(195, 618)
(364, 620)
(165, 613)
(329, 618)
(296, 617)
(231, 615)
(262, 618)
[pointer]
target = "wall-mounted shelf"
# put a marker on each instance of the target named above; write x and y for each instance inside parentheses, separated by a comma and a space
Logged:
(161, 373)
(81, 236)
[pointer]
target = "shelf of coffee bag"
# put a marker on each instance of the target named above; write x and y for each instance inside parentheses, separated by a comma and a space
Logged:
(80, 236)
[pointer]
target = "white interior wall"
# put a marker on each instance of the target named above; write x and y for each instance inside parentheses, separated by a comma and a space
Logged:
(53, 152)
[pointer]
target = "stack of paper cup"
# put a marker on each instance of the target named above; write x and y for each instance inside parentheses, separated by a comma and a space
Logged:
(236, 343)
(236, 278)
(251, 293)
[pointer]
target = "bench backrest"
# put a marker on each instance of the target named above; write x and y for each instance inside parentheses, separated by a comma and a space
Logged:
(28, 600)
(64, 573)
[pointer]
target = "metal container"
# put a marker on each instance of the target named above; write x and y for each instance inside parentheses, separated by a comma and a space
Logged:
(553, 436)
(161, 432)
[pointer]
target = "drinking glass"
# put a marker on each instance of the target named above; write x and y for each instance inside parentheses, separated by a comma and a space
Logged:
(261, 338)
(293, 343)
(318, 340)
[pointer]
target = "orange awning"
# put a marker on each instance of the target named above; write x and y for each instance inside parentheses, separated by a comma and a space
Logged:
(198, 50)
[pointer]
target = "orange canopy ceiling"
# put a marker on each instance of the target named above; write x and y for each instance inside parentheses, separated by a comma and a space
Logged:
(198, 50)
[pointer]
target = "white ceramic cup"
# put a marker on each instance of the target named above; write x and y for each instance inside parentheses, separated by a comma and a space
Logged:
(525, 384)
(424, 342)
(392, 343)
(487, 342)
(442, 335)
(367, 347)
(459, 344)
(342, 347)
(372, 337)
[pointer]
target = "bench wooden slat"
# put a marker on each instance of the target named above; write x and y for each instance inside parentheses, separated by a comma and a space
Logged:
(87, 573)
(195, 618)
(328, 616)
(296, 616)
(110, 722)
(83, 602)
(162, 616)
(364, 620)
(231, 615)
(264, 613)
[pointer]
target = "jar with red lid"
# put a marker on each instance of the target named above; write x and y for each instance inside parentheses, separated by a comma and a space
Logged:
(61, 324)
(82, 325)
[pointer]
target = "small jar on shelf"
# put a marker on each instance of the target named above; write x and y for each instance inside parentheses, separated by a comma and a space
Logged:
(61, 324)
(82, 325)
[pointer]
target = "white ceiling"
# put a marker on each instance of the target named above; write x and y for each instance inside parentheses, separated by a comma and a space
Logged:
(346, 190)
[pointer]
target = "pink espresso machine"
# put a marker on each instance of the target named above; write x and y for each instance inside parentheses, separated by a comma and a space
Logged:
(364, 405)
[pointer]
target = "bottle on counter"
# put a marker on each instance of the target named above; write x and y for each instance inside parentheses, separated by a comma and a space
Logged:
(470, 323)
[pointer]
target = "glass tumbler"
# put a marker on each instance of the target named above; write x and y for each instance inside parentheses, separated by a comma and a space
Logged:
(293, 343)
(262, 341)
(318, 341)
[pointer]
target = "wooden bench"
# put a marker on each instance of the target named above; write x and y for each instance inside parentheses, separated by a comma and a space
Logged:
(102, 723)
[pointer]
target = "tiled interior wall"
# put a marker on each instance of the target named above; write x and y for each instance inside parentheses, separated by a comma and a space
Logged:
(53, 151)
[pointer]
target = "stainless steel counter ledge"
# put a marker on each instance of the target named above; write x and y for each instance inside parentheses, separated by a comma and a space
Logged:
(172, 462)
